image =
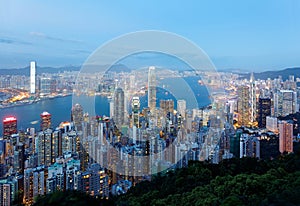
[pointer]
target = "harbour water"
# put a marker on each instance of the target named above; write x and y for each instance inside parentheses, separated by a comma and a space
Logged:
(60, 108)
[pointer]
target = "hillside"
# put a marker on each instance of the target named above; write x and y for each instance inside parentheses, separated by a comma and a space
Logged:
(275, 74)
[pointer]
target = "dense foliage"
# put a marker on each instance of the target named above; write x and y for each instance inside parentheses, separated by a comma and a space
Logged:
(73, 198)
(244, 181)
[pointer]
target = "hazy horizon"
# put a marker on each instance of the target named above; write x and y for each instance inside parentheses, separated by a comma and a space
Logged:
(246, 35)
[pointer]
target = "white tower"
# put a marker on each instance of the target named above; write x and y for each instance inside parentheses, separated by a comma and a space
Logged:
(32, 77)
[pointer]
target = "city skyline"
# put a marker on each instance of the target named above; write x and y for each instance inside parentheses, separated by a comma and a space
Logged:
(149, 103)
(251, 36)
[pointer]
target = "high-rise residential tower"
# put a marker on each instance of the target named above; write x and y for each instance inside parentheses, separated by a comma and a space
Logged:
(119, 107)
(135, 107)
(243, 105)
(285, 136)
(32, 77)
(151, 89)
(252, 99)
(77, 116)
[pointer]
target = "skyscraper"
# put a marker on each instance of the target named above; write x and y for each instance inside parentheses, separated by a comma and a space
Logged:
(151, 89)
(9, 126)
(77, 116)
(45, 121)
(264, 110)
(285, 136)
(119, 107)
(243, 105)
(285, 102)
(135, 107)
(32, 77)
(252, 101)
(181, 107)
(166, 106)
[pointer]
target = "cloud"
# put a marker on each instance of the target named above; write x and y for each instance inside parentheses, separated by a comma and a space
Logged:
(13, 41)
(45, 36)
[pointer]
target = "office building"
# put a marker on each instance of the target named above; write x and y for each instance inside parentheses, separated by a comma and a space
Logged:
(167, 106)
(285, 102)
(264, 110)
(181, 107)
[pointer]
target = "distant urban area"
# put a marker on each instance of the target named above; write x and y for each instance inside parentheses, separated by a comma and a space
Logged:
(148, 130)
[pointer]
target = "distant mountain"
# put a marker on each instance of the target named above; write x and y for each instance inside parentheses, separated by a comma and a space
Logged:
(40, 70)
(275, 74)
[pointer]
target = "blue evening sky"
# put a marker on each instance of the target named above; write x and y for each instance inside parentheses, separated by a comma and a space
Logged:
(239, 34)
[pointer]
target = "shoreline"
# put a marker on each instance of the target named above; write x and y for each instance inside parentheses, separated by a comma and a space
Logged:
(33, 101)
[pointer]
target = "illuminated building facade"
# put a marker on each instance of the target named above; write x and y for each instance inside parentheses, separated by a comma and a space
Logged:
(264, 110)
(45, 121)
(252, 100)
(285, 136)
(243, 105)
(285, 102)
(167, 106)
(9, 127)
(135, 107)
(77, 116)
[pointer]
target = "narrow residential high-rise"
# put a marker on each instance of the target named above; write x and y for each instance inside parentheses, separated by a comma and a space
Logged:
(285, 136)
(32, 77)
(77, 116)
(252, 99)
(119, 107)
(151, 89)
(243, 105)
(135, 107)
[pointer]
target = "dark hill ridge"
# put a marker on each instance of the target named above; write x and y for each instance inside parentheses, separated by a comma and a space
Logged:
(275, 74)
(40, 70)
